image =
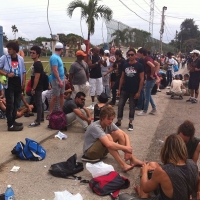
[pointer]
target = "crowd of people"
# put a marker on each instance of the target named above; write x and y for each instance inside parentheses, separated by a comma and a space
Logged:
(105, 75)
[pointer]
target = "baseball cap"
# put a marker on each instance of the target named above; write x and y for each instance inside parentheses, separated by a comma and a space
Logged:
(103, 98)
(59, 45)
(106, 51)
(80, 53)
(195, 51)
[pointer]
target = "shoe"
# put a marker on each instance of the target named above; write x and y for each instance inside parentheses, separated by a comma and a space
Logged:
(172, 96)
(194, 101)
(168, 87)
(33, 124)
(86, 159)
(136, 108)
(91, 107)
(142, 113)
(17, 124)
(130, 127)
(180, 97)
(111, 103)
(15, 128)
(158, 90)
(42, 120)
(189, 100)
(118, 124)
(153, 112)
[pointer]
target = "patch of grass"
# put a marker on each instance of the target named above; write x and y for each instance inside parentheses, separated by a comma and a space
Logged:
(45, 61)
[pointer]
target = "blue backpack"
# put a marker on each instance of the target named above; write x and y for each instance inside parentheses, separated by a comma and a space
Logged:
(29, 151)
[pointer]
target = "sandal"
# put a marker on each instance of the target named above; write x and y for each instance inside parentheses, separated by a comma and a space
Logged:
(33, 124)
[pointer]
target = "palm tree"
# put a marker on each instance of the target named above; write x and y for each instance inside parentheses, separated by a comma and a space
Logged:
(90, 12)
(120, 36)
(14, 30)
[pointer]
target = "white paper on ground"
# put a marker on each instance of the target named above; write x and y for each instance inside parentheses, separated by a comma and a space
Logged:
(65, 195)
(15, 169)
(60, 135)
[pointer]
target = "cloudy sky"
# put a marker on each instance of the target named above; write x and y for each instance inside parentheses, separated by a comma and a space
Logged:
(30, 17)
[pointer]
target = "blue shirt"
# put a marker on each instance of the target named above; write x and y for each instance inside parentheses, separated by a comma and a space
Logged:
(55, 60)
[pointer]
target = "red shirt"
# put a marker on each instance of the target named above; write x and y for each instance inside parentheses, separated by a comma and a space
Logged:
(148, 68)
(28, 86)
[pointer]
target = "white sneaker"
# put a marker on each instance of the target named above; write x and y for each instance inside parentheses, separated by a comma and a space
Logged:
(153, 112)
(142, 113)
(91, 107)
(168, 87)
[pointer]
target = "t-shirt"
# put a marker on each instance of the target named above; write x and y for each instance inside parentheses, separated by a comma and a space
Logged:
(118, 66)
(195, 64)
(70, 105)
(94, 132)
(191, 146)
(15, 82)
(132, 77)
(79, 70)
(148, 68)
(55, 60)
(171, 62)
(95, 72)
(37, 67)
(176, 86)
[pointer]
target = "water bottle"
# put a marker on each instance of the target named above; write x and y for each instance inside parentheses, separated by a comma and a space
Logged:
(9, 194)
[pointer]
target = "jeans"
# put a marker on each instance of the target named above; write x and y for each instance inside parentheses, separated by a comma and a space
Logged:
(147, 95)
(132, 103)
(13, 98)
(140, 103)
(169, 77)
(106, 89)
(114, 90)
(39, 105)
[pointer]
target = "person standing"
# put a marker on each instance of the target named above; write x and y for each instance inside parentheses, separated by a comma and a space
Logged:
(194, 69)
(79, 74)
(12, 66)
(58, 82)
(37, 80)
(130, 86)
(95, 80)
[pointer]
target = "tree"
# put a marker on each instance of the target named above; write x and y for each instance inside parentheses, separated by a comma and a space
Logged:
(39, 40)
(14, 30)
(120, 37)
(90, 12)
(5, 38)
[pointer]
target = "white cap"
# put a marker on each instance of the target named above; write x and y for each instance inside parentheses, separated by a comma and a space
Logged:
(59, 45)
(9, 186)
(195, 51)
(106, 51)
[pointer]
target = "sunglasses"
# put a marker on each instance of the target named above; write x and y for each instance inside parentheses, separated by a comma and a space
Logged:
(82, 99)
(131, 54)
(32, 52)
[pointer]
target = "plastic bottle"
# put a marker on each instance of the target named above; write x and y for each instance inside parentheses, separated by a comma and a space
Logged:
(9, 194)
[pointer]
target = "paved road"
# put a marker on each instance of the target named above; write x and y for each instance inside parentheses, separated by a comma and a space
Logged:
(34, 182)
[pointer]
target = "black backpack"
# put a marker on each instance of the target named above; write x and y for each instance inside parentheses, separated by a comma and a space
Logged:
(68, 168)
(45, 81)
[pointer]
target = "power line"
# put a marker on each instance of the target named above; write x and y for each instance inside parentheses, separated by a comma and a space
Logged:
(140, 6)
(136, 13)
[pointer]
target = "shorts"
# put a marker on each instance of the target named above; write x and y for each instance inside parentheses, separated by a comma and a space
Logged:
(56, 90)
(96, 151)
(96, 86)
(113, 77)
(193, 83)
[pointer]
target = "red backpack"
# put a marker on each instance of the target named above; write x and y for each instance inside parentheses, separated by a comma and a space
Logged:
(57, 121)
(109, 184)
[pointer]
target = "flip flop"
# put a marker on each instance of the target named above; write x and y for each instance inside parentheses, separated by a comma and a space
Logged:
(131, 167)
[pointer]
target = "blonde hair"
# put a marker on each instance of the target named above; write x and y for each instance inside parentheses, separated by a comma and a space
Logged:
(107, 111)
(173, 150)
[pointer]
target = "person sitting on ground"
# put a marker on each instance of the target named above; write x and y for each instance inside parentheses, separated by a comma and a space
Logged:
(104, 136)
(177, 87)
(75, 110)
(185, 84)
(161, 81)
(177, 178)
(103, 99)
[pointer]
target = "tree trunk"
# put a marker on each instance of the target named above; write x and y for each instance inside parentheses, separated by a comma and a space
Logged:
(88, 34)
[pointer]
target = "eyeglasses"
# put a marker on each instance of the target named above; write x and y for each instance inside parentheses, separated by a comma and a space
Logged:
(32, 52)
(82, 99)
(131, 54)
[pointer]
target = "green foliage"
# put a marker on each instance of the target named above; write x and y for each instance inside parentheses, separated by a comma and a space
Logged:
(39, 40)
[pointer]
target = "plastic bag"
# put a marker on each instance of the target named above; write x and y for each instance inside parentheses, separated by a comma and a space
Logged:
(65, 195)
(99, 169)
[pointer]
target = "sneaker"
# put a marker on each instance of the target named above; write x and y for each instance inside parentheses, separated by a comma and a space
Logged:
(86, 159)
(180, 97)
(142, 113)
(158, 90)
(130, 127)
(17, 124)
(172, 97)
(118, 124)
(91, 107)
(111, 103)
(168, 87)
(153, 112)
(15, 128)
(194, 101)
(33, 124)
(189, 100)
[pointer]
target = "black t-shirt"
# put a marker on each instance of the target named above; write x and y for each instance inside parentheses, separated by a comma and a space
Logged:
(118, 66)
(15, 82)
(70, 105)
(95, 72)
(191, 146)
(193, 65)
(37, 67)
(132, 77)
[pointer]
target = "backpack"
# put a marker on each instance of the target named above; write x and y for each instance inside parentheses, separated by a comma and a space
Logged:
(58, 121)
(109, 184)
(67, 168)
(29, 151)
(45, 81)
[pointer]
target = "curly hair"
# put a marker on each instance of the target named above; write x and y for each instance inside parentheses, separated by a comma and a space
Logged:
(187, 129)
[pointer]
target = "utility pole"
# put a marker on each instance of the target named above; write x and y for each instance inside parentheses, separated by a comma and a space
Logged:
(162, 27)
(151, 17)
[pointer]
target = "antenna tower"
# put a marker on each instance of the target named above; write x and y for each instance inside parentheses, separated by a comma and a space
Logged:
(151, 17)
